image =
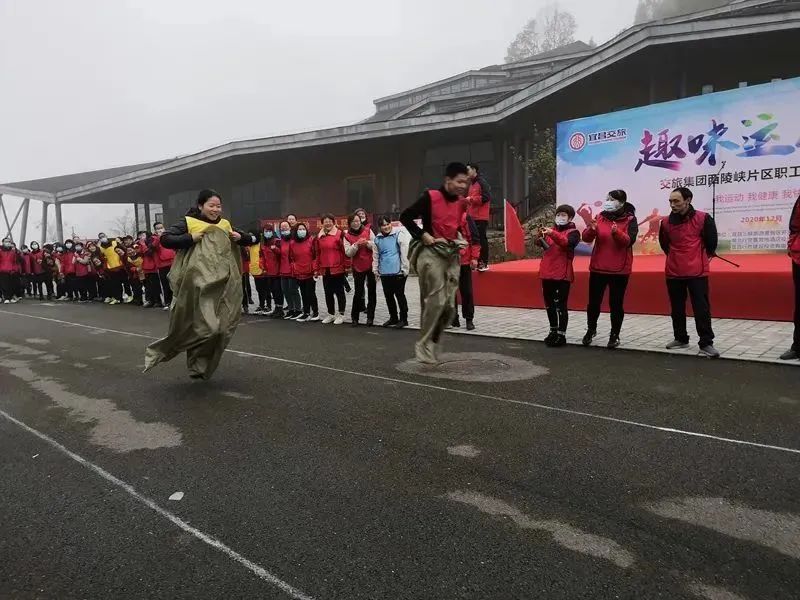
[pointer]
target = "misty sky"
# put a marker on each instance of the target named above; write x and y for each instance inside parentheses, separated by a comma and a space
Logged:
(90, 84)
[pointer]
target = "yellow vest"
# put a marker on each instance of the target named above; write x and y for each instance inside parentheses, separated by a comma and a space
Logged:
(113, 260)
(196, 225)
(255, 260)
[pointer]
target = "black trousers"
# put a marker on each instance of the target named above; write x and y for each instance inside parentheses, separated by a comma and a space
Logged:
(334, 289)
(247, 291)
(697, 290)
(616, 284)
(137, 289)
(152, 288)
(6, 286)
(71, 284)
(308, 292)
(359, 306)
(115, 280)
(45, 283)
(262, 288)
(467, 298)
(483, 226)
(276, 290)
(556, 296)
(83, 287)
(796, 277)
(394, 289)
(163, 275)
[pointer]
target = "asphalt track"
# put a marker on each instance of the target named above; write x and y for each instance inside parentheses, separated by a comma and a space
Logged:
(312, 467)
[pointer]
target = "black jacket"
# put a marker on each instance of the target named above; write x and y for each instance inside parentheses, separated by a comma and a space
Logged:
(177, 236)
(709, 234)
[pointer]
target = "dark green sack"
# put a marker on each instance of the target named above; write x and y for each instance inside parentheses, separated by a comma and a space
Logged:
(206, 284)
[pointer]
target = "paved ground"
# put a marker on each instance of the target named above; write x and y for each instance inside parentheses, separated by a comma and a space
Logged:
(312, 467)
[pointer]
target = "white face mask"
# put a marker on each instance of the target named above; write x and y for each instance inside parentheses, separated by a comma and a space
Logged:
(561, 221)
(611, 205)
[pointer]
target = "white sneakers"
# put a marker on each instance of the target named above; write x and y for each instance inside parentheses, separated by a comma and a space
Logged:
(328, 320)
(314, 318)
(338, 320)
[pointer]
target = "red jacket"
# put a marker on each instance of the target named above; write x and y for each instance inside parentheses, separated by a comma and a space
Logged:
(303, 258)
(163, 256)
(794, 233)
(67, 263)
(149, 256)
(80, 269)
(26, 264)
(361, 261)
(285, 265)
(613, 249)
(473, 250)
(9, 261)
(36, 262)
(271, 259)
(556, 262)
(479, 203)
(331, 257)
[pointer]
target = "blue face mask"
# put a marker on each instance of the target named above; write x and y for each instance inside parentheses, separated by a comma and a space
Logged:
(301, 234)
(268, 233)
(286, 234)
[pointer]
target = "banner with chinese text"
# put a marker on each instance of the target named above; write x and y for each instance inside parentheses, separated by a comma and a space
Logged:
(743, 144)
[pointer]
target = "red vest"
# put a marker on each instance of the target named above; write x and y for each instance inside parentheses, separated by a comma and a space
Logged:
(478, 209)
(556, 262)
(303, 258)
(445, 216)
(67, 264)
(611, 255)
(687, 255)
(36, 262)
(331, 253)
(362, 261)
(8, 261)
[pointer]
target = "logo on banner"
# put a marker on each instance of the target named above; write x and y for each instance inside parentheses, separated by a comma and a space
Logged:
(577, 142)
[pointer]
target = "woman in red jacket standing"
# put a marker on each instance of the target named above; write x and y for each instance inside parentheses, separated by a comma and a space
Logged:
(794, 251)
(164, 257)
(332, 265)
(83, 269)
(358, 245)
(614, 233)
(37, 270)
(271, 265)
(556, 273)
(303, 256)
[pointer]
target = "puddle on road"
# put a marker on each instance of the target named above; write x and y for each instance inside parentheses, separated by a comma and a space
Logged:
(113, 428)
(483, 367)
(779, 531)
(564, 534)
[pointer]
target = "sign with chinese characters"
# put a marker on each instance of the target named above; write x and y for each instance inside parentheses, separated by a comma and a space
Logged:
(740, 147)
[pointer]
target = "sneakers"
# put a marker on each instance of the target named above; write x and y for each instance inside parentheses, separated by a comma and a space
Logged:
(113, 302)
(338, 320)
(328, 320)
(456, 324)
(314, 318)
(127, 299)
(245, 310)
(613, 341)
(550, 339)
(677, 345)
(6, 301)
(276, 314)
(106, 301)
(587, 339)
(482, 268)
(165, 308)
(147, 304)
(354, 323)
(560, 341)
(258, 311)
(791, 354)
(302, 319)
(709, 351)
(370, 322)
(401, 324)
(291, 315)
(390, 323)
(470, 325)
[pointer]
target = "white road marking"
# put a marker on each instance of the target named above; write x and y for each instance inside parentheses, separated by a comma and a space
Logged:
(79, 365)
(465, 450)
(779, 531)
(236, 395)
(712, 592)
(101, 358)
(176, 496)
(440, 388)
(564, 534)
(254, 568)
(37, 341)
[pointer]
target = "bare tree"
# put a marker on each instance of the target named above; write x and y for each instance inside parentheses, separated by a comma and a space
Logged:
(124, 224)
(551, 29)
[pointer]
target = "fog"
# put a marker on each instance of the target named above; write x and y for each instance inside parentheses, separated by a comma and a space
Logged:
(90, 84)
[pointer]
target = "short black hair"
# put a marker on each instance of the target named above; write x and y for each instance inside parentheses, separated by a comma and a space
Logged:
(352, 217)
(328, 216)
(619, 195)
(566, 208)
(454, 169)
(685, 193)
(474, 166)
(206, 195)
(157, 223)
(384, 220)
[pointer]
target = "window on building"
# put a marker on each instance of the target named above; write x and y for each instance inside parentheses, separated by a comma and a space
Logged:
(255, 200)
(360, 193)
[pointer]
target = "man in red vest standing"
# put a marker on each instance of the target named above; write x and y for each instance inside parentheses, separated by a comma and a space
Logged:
(479, 197)
(435, 254)
(794, 252)
(689, 239)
